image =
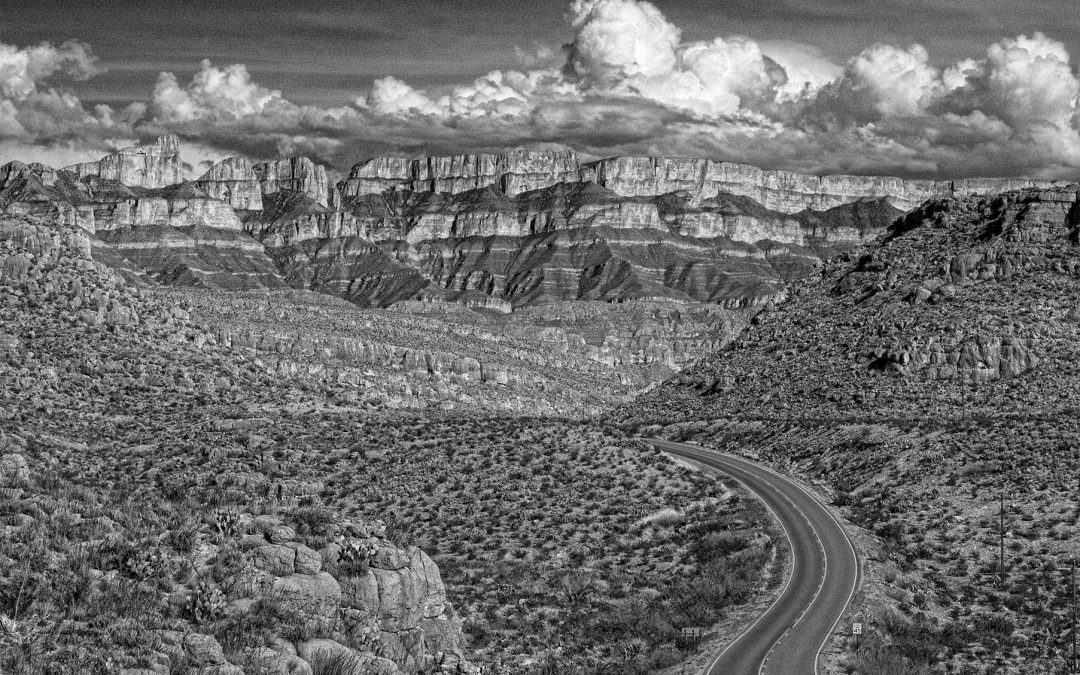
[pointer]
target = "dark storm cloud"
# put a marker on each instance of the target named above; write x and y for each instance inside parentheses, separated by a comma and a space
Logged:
(898, 87)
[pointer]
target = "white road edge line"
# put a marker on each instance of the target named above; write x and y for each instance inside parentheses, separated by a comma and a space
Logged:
(854, 555)
(783, 589)
(817, 592)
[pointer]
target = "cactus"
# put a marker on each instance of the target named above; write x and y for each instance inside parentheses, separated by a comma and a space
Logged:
(228, 522)
(354, 553)
(144, 565)
(205, 603)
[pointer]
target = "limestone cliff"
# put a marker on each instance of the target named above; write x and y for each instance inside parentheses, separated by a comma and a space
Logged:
(489, 230)
(571, 241)
(783, 191)
(234, 182)
(155, 165)
(296, 174)
(971, 301)
(511, 173)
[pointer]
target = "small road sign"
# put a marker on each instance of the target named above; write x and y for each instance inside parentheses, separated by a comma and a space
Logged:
(693, 632)
(856, 629)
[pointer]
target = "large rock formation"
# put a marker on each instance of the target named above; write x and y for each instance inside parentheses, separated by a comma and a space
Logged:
(234, 182)
(382, 603)
(296, 174)
(512, 173)
(571, 241)
(783, 191)
(492, 230)
(155, 165)
(979, 292)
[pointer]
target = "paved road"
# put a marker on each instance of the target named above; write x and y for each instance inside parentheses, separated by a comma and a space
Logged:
(788, 638)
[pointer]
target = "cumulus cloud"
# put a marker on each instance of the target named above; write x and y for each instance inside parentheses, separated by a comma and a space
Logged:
(22, 70)
(212, 93)
(38, 120)
(616, 40)
(897, 81)
(391, 96)
(625, 82)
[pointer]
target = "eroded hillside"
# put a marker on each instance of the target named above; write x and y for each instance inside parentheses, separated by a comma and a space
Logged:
(175, 502)
(919, 380)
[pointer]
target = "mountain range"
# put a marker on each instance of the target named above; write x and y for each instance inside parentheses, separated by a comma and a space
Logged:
(497, 232)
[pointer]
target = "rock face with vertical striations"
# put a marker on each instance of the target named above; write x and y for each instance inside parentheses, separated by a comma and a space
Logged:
(783, 191)
(511, 173)
(488, 230)
(296, 174)
(234, 182)
(571, 241)
(156, 165)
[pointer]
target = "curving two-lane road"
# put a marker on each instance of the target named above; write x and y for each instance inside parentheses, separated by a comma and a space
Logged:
(788, 638)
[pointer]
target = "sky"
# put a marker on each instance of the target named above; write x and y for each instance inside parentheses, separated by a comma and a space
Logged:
(918, 89)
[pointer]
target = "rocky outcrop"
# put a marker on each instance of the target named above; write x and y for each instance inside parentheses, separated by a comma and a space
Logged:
(296, 174)
(195, 256)
(571, 241)
(156, 165)
(183, 205)
(971, 301)
(511, 173)
(234, 182)
(371, 604)
(783, 191)
(498, 231)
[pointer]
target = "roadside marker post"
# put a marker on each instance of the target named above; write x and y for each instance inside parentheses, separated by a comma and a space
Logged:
(856, 630)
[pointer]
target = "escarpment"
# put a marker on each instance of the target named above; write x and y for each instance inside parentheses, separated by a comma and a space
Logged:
(783, 191)
(156, 165)
(497, 231)
(966, 302)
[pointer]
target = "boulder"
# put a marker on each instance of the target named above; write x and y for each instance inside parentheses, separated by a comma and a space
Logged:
(330, 656)
(308, 561)
(203, 650)
(274, 559)
(14, 471)
(317, 595)
(281, 534)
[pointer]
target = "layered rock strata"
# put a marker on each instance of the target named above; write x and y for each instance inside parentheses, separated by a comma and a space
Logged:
(495, 231)
(234, 182)
(971, 300)
(783, 191)
(155, 165)
(295, 174)
(512, 173)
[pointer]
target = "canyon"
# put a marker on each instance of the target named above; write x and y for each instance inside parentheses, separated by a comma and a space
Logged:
(497, 232)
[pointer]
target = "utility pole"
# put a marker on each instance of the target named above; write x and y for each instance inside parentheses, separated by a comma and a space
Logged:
(1072, 570)
(1001, 540)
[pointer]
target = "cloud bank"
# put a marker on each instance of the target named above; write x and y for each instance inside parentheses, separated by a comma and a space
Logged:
(626, 82)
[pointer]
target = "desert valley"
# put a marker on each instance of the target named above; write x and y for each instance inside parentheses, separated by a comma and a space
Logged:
(535, 407)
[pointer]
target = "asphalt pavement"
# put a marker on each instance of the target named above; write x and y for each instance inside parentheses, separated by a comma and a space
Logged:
(789, 637)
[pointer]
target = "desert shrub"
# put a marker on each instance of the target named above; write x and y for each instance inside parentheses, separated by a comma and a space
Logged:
(314, 520)
(184, 536)
(717, 545)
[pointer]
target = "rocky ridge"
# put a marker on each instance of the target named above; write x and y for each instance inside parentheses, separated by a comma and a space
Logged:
(76, 337)
(497, 231)
(156, 165)
(917, 379)
(783, 191)
(970, 292)
(568, 359)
